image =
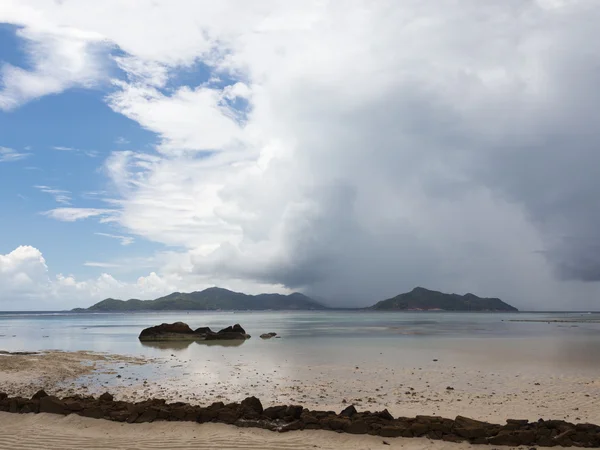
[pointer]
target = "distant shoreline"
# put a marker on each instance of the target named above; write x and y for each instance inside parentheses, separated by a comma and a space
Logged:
(365, 310)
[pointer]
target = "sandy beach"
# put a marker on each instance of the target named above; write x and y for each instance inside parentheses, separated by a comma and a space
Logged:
(31, 431)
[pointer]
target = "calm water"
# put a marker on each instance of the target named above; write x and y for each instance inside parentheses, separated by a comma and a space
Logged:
(318, 338)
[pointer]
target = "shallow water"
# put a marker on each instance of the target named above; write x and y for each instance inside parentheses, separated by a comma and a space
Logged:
(333, 337)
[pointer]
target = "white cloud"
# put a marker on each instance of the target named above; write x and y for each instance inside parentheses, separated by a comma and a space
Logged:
(60, 195)
(27, 283)
(61, 57)
(125, 240)
(90, 153)
(101, 264)
(74, 214)
(23, 272)
(385, 145)
(9, 155)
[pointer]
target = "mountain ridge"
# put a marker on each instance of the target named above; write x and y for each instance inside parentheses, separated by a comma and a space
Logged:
(210, 299)
(420, 299)
(215, 298)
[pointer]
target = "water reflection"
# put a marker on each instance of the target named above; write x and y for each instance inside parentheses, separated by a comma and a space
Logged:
(182, 345)
(228, 343)
(167, 345)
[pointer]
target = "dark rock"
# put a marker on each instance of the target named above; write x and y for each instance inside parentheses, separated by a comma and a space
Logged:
(349, 411)
(74, 405)
(253, 404)
(149, 415)
(268, 335)
(339, 423)
(452, 438)
(203, 330)
(119, 416)
(274, 412)
(237, 328)
(52, 405)
(228, 415)
(519, 422)
(167, 331)
(227, 336)
(465, 422)
(395, 431)
(293, 411)
(385, 415)
(39, 394)
(106, 397)
(292, 426)
(470, 432)
(93, 412)
(564, 437)
(358, 427)
(206, 415)
(513, 438)
(419, 429)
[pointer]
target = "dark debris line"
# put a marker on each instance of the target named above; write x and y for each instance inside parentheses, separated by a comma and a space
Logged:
(250, 413)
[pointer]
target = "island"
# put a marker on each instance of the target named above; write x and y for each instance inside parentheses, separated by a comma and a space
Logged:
(211, 299)
(421, 299)
(215, 299)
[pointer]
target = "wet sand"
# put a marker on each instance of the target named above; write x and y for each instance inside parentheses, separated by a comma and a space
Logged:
(434, 388)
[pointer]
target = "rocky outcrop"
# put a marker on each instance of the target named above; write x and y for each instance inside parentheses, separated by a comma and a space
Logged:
(233, 332)
(168, 331)
(268, 335)
(180, 331)
(250, 413)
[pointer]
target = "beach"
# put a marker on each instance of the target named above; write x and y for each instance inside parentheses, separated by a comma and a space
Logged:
(551, 374)
(30, 432)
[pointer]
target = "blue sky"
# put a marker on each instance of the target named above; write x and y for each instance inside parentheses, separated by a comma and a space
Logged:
(64, 139)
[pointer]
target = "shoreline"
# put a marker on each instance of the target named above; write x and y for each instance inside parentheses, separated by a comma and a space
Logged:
(283, 418)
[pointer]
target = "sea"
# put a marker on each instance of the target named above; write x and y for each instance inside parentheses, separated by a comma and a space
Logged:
(552, 340)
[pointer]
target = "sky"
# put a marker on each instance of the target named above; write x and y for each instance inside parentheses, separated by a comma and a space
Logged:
(347, 150)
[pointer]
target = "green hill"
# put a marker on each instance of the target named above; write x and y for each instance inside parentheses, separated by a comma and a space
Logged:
(208, 299)
(424, 299)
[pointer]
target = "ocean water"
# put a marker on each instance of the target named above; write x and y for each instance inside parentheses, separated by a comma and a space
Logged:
(556, 341)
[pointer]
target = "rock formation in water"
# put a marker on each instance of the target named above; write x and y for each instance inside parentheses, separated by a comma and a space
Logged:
(180, 331)
(268, 335)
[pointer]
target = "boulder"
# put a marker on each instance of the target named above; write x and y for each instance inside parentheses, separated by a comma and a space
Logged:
(253, 404)
(39, 394)
(226, 336)
(180, 331)
(53, 405)
(268, 335)
(93, 412)
(358, 427)
(237, 328)
(203, 330)
(235, 332)
(349, 411)
(106, 397)
(167, 331)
